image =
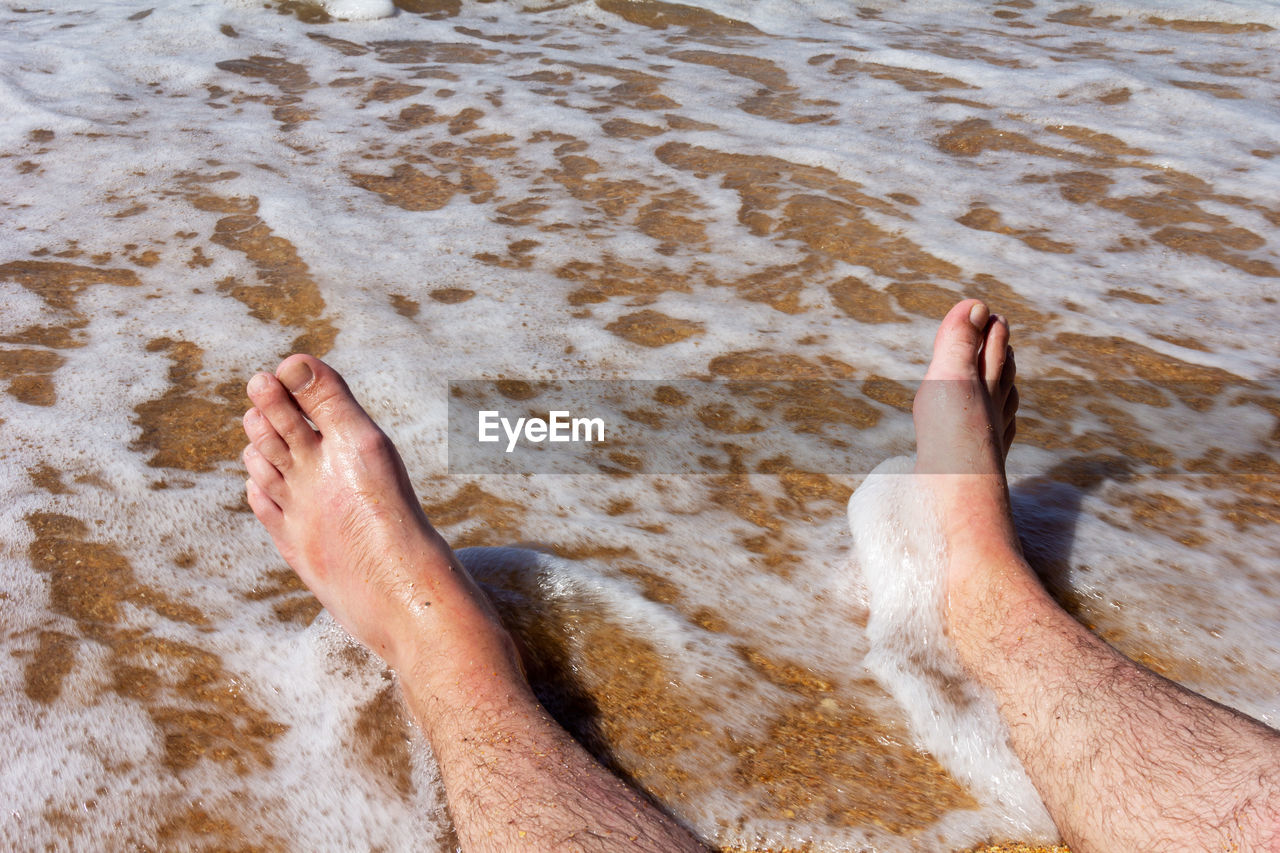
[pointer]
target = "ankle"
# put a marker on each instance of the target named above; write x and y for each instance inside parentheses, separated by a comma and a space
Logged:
(451, 641)
(991, 603)
(483, 674)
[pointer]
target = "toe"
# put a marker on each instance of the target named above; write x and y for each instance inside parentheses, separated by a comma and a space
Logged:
(1010, 407)
(1009, 420)
(1010, 372)
(1006, 393)
(264, 437)
(322, 395)
(264, 474)
(278, 405)
(264, 509)
(959, 339)
(995, 348)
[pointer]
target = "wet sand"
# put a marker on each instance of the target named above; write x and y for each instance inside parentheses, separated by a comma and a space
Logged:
(506, 204)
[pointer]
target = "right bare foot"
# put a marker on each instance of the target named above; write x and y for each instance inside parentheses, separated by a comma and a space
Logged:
(965, 419)
(338, 504)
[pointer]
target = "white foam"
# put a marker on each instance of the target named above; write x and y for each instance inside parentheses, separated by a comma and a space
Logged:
(900, 556)
(359, 10)
(130, 99)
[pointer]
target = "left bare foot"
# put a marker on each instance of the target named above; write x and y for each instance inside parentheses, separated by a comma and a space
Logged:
(337, 502)
(966, 416)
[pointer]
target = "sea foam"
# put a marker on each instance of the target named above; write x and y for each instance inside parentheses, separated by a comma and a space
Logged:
(124, 118)
(359, 10)
(901, 556)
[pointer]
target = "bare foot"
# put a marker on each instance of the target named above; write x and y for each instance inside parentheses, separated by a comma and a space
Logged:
(965, 419)
(337, 502)
(1092, 728)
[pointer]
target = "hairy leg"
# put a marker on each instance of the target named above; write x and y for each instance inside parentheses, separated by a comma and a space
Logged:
(1123, 759)
(333, 493)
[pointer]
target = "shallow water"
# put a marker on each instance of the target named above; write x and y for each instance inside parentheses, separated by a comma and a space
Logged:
(728, 190)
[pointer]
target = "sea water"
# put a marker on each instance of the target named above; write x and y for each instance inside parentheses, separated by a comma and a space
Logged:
(721, 190)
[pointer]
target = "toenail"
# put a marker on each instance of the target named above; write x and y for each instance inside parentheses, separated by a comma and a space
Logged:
(258, 383)
(297, 376)
(978, 315)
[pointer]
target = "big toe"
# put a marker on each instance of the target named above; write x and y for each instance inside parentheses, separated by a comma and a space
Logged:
(995, 352)
(959, 340)
(321, 393)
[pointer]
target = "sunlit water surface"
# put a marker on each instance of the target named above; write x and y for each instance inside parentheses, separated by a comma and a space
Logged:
(735, 190)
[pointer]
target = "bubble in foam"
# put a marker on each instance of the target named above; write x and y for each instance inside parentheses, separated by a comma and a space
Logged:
(360, 10)
(899, 556)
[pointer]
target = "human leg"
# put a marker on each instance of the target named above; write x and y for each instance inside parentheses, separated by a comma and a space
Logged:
(338, 504)
(1123, 759)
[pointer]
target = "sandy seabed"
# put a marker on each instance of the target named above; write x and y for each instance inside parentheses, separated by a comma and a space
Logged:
(598, 190)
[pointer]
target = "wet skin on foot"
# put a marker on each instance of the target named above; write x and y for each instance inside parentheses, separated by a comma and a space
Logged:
(333, 493)
(966, 417)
